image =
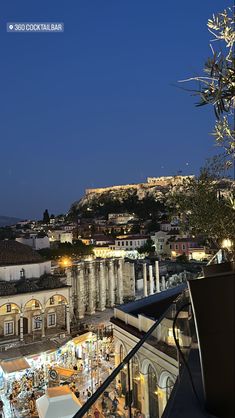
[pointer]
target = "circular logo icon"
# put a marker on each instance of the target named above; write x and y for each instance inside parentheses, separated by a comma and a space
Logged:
(53, 374)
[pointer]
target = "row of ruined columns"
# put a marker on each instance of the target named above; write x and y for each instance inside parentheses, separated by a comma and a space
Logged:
(96, 285)
(154, 285)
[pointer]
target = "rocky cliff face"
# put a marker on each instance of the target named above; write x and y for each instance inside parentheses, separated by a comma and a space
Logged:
(118, 195)
(155, 188)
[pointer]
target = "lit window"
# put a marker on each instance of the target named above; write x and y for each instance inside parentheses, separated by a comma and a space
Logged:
(37, 322)
(51, 320)
(9, 328)
(8, 307)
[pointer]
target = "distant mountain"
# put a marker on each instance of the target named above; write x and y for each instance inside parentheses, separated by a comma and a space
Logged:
(7, 220)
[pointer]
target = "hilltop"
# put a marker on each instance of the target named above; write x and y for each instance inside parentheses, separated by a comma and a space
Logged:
(141, 198)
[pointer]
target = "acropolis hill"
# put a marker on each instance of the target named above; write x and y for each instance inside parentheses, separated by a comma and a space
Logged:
(156, 187)
(151, 182)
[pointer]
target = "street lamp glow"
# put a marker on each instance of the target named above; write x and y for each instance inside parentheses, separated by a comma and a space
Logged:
(66, 262)
(227, 243)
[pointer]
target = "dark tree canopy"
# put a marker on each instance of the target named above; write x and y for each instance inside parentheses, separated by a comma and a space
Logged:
(46, 217)
(206, 207)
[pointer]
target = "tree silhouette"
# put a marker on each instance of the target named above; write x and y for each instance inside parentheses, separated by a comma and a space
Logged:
(46, 217)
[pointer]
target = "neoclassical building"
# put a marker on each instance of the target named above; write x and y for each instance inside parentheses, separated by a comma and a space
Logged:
(155, 367)
(33, 303)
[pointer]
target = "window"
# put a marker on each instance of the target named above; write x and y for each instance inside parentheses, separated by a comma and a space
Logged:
(183, 246)
(176, 246)
(122, 243)
(22, 273)
(160, 247)
(169, 387)
(51, 320)
(9, 328)
(37, 322)
(153, 397)
(8, 307)
(131, 243)
(36, 304)
(119, 243)
(52, 300)
(170, 247)
(126, 243)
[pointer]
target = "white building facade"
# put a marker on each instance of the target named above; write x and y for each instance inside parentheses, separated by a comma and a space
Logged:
(34, 241)
(131, 242)
(33, 303)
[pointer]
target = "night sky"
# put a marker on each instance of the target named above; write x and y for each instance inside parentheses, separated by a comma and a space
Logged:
(98, 104)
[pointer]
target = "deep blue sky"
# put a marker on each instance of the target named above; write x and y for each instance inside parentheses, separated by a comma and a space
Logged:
(97, 105)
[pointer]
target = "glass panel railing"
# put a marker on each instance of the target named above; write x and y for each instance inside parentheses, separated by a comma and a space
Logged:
(142, 383)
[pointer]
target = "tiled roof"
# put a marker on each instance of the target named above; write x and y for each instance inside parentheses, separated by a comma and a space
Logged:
(45, 282)
(26, 285)
(49, 282)
(7, 288)
(15, 253)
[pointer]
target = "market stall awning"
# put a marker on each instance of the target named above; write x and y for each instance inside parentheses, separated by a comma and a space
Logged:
(62, 371)
(82, 338)
(58, 402)
(15, 365)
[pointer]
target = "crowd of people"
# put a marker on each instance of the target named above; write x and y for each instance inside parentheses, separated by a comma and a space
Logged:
(22, 393)
(89, 372)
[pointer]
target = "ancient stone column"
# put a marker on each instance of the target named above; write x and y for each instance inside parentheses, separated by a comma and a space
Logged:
(157, 276)
(80, 291)
(21, 326)
(91, 283)
(151, 280)
(68, 318)
(111, 283)
(43, 323)
(102, 287)
(133, 278)
(120, 281)
(145, 280)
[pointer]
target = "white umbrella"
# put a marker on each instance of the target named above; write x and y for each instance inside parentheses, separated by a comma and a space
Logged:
(58, 402)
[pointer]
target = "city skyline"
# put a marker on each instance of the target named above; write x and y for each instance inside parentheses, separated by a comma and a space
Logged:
(99, 104)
